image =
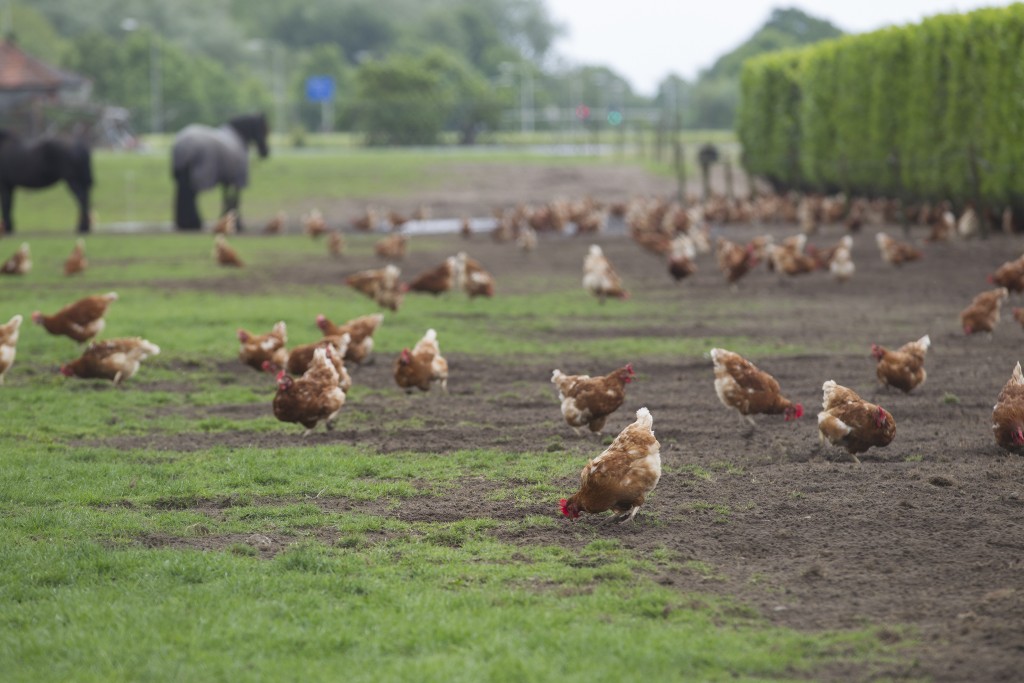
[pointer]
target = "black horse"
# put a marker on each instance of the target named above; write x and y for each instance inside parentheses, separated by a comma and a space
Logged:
(203, 157)
(40, 163)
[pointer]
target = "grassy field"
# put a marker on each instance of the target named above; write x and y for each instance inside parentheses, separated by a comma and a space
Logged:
(120, 563)
(137, 187)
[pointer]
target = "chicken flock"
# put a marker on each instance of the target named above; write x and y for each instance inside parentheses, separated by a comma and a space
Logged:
(312, 380)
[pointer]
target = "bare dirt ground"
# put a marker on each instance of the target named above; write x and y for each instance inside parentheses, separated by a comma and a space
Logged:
(927, 533)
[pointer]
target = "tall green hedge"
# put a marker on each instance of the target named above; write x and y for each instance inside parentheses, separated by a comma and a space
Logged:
(927, 111)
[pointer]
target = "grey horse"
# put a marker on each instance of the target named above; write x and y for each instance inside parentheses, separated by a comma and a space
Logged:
(203, 156)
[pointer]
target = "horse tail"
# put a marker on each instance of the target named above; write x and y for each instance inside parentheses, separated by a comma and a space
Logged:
(186, 211)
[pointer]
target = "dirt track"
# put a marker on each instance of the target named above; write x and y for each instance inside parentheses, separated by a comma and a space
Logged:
(927, 533)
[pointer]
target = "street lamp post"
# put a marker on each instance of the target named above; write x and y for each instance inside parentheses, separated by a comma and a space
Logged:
(130, 24)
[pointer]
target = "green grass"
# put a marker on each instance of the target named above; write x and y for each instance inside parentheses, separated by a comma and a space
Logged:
(102, 572)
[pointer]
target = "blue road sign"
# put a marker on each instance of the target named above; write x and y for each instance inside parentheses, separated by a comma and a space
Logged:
(319, 88)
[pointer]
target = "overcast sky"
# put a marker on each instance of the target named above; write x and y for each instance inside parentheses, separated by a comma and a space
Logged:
(645, 40)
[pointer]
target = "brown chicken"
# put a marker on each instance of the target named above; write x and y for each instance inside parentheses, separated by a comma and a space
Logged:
(380, 284)
(360, 331)
(20, 262)
(275, 225)
(749, 390)
(257, 349)
(226, 224)
(225, 254)
(735, 260)
(81, 320)
(791, 260)
(680, 258)
(336, 244)
(904, 367)
(391, 248)
(300, 359)
(621, 477)
(436, 280)
(313, 223)
(849, 421)
(894, 252)
(314, 397)
(396, 219)
(600, 278)
(1008, 414)
(421, 367)
(527, 239)
(8, 344)
(588, 401)
(1009, 275)
(472, 277)
(982, 314)
(76, 262)
(1018, 315)
(113, 359)
(367, 221)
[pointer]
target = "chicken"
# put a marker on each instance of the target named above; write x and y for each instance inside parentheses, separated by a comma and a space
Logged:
(227, 224)
(969, 224)
(1008, 414)
(76, 262)
(380, 284)
(360, 331)
(894, 252)
(335, 244)
(588, 401)
(841, 264)
(680, 258)
(81, 320)
(982, 314)
(257, 349)
(1018, 315)
(391, 248)
(314, 397)
(735, 260)
(436, 280)
(849, 421)
(396, 219)
(225, 254)
(313, 223)
(20, 262)
(466, 229)
(622, 476)
(368, 221)
(276, 224)
(472, 277)
(1009, 275)
(300, 359)
(423, 366)
(791, 260)
(113, 359)
(943, 227)
(8, 344)
(527, 240)
(904, 367)
(600, 278)
(741, 385)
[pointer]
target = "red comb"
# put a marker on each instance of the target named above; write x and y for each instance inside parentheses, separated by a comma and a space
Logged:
(564, 506)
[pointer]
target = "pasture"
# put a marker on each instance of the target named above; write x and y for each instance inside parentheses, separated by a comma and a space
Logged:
(172, 529)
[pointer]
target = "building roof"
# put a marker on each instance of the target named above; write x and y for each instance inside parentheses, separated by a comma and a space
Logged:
(20, 71)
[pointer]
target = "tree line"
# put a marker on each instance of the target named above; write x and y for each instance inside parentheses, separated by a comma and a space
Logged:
(922, 112)
(404, 70)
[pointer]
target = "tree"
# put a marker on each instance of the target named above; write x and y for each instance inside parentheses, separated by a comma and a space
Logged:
(399, 102)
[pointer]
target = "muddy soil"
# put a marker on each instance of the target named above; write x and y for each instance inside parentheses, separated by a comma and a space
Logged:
(926, 533)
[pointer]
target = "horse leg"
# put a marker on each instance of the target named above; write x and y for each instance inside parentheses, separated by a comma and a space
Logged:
(186, 211)
(232, 193)
(7, 207)
(82, 197)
